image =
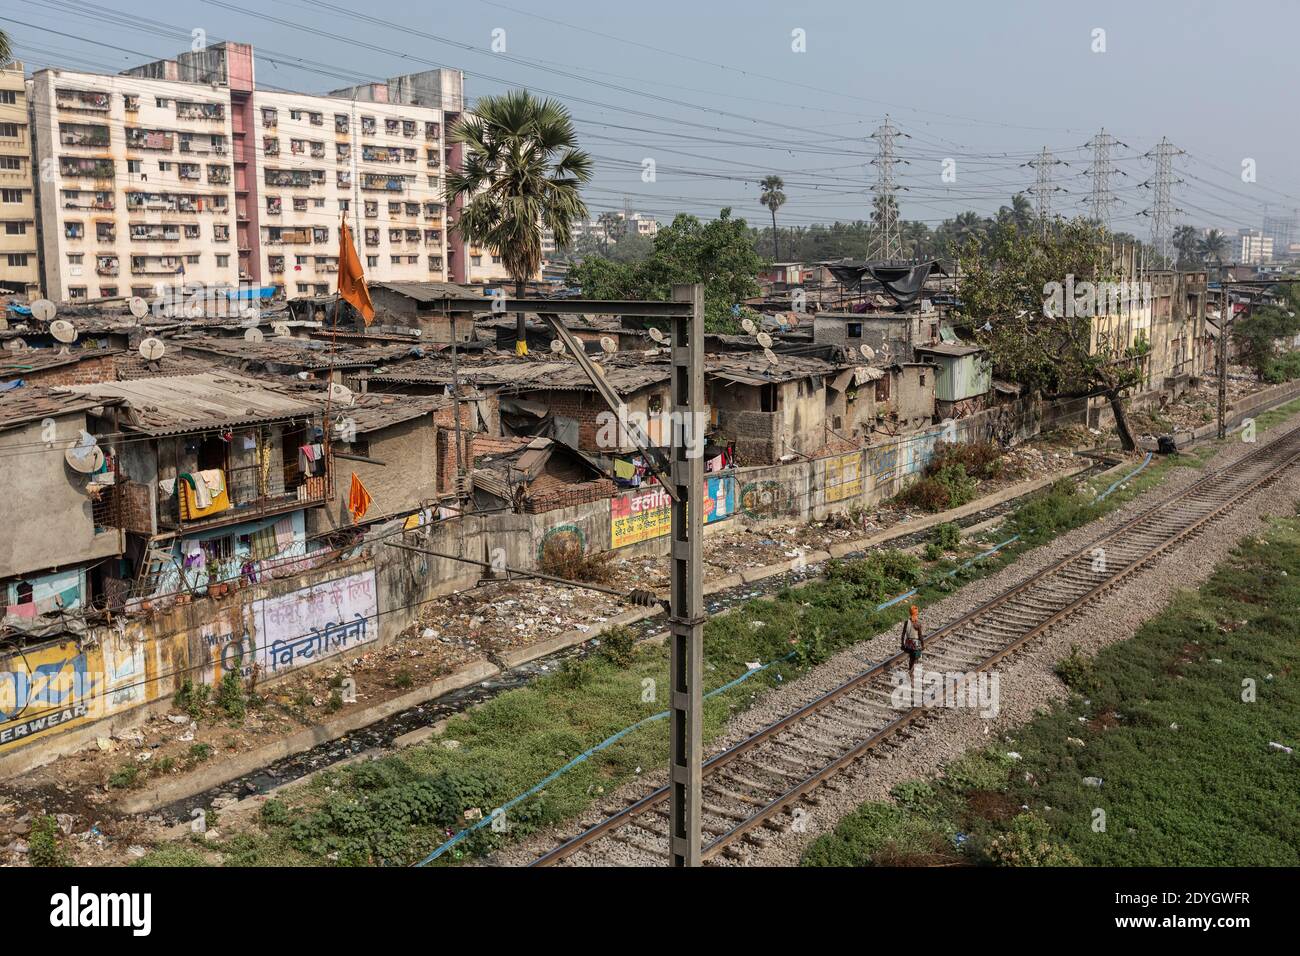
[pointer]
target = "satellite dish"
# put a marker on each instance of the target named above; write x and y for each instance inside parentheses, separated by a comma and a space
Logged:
(764, 340)
(254, 335)
(64, 331)
(84, 455)
(138, 306)
(340, 393)
(748, 325)
(43, 310)
(194, 310)
(770, 356)
(151, 349)
(658, 336)
(867, 351)
(608, 344)
(557, 346)
(16, 345)
(280, 328)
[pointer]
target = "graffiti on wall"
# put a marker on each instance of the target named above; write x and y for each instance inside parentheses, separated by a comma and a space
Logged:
(646, 513)
(562, 539)
(308, 625)
(764, 499)
(843, 477)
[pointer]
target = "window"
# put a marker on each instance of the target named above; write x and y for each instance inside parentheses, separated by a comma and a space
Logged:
(11, 162)
(8, 97)
(107, 291)
(75, 258)
(18, 258)
(295, 114)
(223, 261)
(767, 398)
(134, 166)
(9, 129)
(160, 101)
(193, 260)
(854, 330)
(76, 292)
(15, 228)
(344, 205)
(922, 380)
(476, 260)
(318, 203)
(372, 261)
(164, 167)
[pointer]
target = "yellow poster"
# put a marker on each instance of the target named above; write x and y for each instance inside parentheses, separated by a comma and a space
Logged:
(843, 477)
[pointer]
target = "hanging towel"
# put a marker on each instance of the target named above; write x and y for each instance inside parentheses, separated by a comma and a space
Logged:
(202, 494)
(359, 499)
(624, 469)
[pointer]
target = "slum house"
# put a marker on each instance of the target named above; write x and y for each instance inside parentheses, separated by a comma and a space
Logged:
(772, 412)
(963, 377)
(59, 528)
(420, 306)
(211, 479)
(305, 358)
(537, 476)
(565, 406)
(391, 443)
(892, 335)
(45, 367)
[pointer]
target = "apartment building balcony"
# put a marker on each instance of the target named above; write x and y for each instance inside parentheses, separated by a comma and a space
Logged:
(152, 139)
(83, 101)
(107, 267)
(83, 135)
(200, 111)
(165, 266)
(77, 168)
(373, 181)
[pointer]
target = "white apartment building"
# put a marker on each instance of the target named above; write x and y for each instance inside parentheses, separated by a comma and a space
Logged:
(19, 256)
(1253, 247)
(378, 164)
(135, 184)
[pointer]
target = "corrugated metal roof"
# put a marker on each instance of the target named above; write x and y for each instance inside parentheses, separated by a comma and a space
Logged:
(183, 403)
(20, 406)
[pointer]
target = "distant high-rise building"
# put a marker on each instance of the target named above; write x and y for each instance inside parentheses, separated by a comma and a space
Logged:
(19, 254)
(1253, 247)
(182, 171)
(1282, 230)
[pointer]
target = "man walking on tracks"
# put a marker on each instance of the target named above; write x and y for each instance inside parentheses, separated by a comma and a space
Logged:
(913, 638)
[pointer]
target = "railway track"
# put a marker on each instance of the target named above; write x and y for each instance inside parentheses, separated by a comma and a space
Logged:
(752, 784)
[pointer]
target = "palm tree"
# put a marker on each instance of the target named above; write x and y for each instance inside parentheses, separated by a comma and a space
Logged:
(773, 198)
(6, 50)
(609, 221)
(521, 174)
(1213, 246)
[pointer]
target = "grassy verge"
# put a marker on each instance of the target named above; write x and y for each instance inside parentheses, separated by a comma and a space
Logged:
(1175, 724)
(396, 810)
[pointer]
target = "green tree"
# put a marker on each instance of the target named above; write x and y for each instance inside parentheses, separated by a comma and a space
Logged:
(6, 49)
(521, 174)
(1185, 242)
(773, 198)
(719, 254)
(611, 225)
(1004, 292)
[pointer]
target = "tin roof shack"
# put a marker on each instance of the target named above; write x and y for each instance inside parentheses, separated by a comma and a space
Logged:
(963, 377)
(419, 305)
(901, 332)
(58, 518)
(222, 464)
(580, 417)
(537, 477)
(774, 411)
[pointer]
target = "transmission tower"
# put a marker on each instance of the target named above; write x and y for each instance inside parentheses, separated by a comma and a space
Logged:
(1102, 198)
(1162, 209)
(887, 243)
(1042, 189)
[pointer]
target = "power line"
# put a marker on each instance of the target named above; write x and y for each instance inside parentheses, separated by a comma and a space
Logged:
(1102, 197)
(1162, 209)
(1042, 189)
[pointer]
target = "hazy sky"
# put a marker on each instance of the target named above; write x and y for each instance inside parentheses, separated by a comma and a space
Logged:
(715, 94)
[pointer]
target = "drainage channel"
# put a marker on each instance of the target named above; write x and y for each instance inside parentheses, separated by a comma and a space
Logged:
(381, 734)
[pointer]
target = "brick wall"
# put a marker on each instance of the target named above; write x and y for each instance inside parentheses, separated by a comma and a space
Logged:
(87, 371)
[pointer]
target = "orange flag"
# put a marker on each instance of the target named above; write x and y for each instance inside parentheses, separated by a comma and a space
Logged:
(358, 499)
(352, 281)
